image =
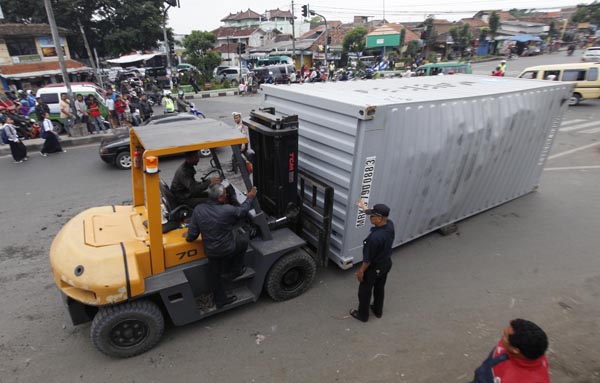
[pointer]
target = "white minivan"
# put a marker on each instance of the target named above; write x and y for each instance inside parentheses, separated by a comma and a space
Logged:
(50, 94)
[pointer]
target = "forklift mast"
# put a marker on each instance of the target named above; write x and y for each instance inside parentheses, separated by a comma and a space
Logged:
(274, 139)
(295, 199)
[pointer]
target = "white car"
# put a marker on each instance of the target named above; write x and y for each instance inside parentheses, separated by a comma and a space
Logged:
(591, 54)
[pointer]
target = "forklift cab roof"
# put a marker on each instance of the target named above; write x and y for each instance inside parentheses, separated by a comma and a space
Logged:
(184, 136)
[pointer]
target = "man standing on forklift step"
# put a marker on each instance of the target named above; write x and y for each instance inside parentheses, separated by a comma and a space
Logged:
(185, 188)
(377, 250)
(223, 245)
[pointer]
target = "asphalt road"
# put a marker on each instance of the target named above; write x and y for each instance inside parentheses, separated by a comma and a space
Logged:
(448, 298)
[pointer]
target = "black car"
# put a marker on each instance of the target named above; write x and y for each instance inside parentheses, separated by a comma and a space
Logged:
(114, 149)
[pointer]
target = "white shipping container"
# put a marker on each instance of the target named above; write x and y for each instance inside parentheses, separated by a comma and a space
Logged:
(435, 149)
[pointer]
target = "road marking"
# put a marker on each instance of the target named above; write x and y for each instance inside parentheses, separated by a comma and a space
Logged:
(573, 150)
(577, 127)
(591, 131)
(574, 168)
(571, 122)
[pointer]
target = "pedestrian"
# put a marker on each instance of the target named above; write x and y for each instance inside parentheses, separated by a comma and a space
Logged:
(23, 103)
(65, 113)
(376, 264)
(17, 148)
(120, 107)
(331, 70)
(51, 143)
(194, 83)
(41, 109)
(244, 149)
(224, 246)
(519, 356)
(82, 115)
(111, 97)
(95, 115)
(145, 108)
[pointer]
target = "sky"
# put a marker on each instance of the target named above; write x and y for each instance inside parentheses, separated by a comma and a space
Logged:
(206, 16)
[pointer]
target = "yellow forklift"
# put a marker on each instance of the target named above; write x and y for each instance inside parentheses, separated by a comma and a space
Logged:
(129, 269)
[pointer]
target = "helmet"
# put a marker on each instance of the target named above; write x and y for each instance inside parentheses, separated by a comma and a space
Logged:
(166, 92)
(180, 93)
(503, 61)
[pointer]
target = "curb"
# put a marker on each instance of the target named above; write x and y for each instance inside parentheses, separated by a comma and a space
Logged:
(35, 145)
(210, 94)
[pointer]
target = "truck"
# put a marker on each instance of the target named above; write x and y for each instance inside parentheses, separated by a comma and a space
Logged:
(436, 150)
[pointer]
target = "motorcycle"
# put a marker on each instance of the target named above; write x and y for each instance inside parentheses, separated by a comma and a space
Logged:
(195, 111)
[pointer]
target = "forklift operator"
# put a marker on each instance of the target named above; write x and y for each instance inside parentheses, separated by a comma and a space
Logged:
(185, 188)
(223, 245)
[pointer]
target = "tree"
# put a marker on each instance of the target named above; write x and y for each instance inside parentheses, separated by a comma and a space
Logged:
(354, 41)
(553, 32)
(430, 34)
(112, 26)
(402, 37)
(198, 42)
(587, 13)
(413, 48)
(494, 22)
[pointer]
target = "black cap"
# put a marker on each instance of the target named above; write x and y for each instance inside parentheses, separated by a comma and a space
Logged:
(379, 209)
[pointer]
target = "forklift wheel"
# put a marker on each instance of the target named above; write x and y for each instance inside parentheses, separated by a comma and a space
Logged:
(291, 275)
(127, 329)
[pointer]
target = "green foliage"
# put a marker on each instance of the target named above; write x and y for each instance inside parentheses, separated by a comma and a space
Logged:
(413, 48)
(430, 33)
(111, 26)
(587, 13)
(402, 36)
(553, 32)
(209, 61)
(483, 33)
(198, 42)
(354, 41)
(494, 22)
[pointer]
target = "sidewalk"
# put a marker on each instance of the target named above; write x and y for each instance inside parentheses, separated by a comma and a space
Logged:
(35, 145)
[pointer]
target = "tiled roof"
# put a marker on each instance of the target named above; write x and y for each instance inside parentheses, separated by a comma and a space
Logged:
(234, 32)
(279, 13)
(474, 23)
(13, 30)
(242, 15)
(48, 68)
(395, 28)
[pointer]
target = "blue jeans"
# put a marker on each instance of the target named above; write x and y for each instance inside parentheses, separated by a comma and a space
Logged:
(98, 123)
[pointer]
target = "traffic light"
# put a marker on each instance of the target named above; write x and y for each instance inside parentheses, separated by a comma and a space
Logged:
(242, 48)
(172, 48)
(305, 10)
(172, 3)
(328, 40)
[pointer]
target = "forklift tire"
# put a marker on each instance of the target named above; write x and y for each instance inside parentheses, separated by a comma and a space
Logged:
(291, 275)
(127, 329)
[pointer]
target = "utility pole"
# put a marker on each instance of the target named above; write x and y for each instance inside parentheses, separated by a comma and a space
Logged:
(326, 32)
(167, 46)
(89, 51)
(59, 53)
(293, 35)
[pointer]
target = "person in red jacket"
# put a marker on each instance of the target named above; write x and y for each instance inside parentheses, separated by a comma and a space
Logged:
(519, 357)
(120, 107)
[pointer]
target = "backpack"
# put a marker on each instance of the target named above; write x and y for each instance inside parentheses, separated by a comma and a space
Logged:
(4, 136)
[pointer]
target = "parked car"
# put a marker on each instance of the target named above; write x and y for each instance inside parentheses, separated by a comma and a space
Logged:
(114, 149)
(591, 54)
(281, 73)
(231, 74)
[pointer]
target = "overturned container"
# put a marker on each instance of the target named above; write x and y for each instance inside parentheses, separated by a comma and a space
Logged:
(434, 149)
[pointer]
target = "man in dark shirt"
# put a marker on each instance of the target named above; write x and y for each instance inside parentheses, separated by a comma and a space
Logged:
(223, 247)
(377, 250)
(185, 188)
(41, 109)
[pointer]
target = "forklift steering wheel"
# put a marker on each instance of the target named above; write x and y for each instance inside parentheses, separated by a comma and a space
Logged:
(207, 175)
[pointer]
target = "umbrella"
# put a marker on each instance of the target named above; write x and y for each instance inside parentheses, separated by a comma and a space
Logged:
(524, 38)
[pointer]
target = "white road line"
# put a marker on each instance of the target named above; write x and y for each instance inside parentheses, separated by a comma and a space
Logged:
(573, 150)
(591, 131)
(582, 126)
(571, 122)
(574, 168)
